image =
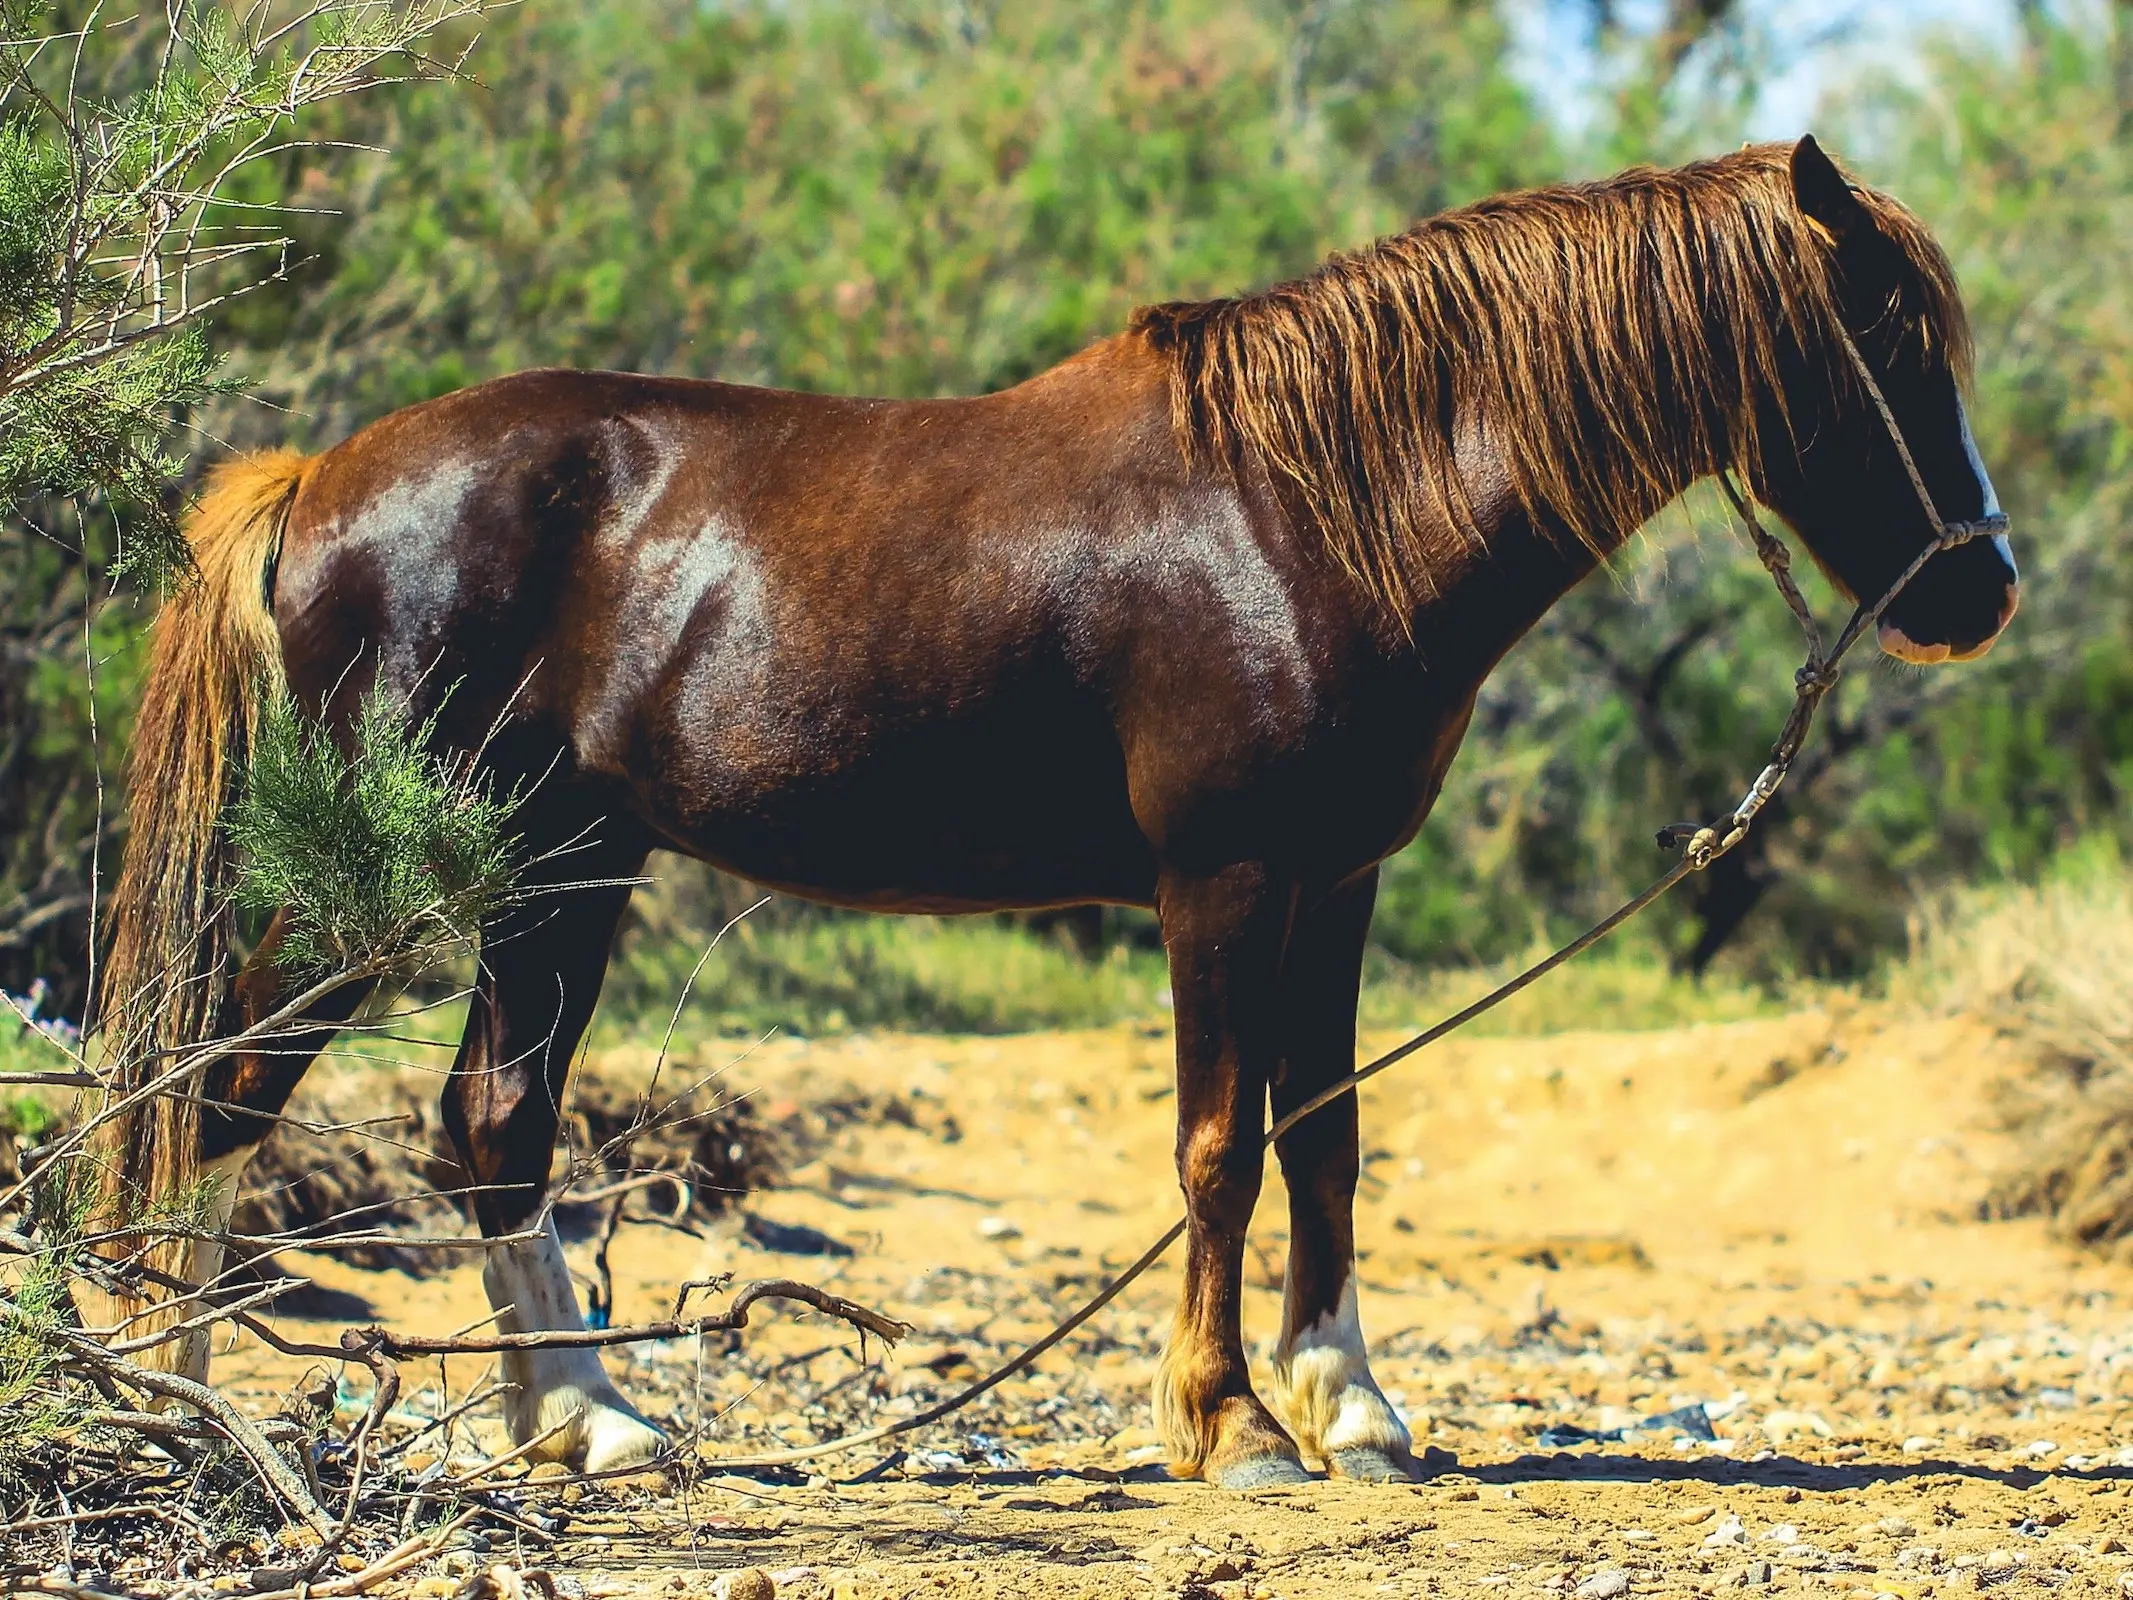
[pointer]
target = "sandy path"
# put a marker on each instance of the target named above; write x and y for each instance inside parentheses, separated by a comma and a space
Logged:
(1779, 1217)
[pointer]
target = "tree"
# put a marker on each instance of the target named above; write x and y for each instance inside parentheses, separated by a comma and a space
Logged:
(131, 213)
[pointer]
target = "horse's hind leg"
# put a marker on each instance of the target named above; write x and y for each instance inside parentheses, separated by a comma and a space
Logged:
(541, 967)
(244, 1094)
(1326, 1393)
(1225, 937)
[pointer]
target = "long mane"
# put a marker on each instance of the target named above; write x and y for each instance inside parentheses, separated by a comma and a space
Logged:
(1614, 338)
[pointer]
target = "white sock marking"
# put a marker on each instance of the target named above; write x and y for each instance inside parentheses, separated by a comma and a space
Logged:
(529, 1286)
(1322, 1371)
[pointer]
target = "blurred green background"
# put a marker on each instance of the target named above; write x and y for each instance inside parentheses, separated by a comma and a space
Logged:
(926, 197)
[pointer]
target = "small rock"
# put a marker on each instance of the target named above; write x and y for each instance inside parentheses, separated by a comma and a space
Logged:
(1755, 1575)
(1695, 1514)
(1782, 1425)
(2000, 1561)
(750, 1583)
(1728, 1532)
(2110, 1545)
(1783, 1533)
(1895, 1527)
(997, 1228)
(2041, 1447)
(1639, 1536)
(1609, 1583)
(1918, 1444)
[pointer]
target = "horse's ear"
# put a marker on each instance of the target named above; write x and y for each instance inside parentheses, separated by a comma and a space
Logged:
(1820, 190)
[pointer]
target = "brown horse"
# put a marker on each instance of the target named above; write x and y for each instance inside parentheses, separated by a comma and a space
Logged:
(1193, 621)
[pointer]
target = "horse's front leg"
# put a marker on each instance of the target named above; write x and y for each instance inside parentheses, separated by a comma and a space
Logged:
(1326, 1393)
(1225, 936)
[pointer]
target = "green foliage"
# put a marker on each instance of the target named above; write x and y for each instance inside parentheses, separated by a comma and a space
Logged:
(386, 853)
(36, 1403)
(117, 233)
(25, 1115)
(911, 198)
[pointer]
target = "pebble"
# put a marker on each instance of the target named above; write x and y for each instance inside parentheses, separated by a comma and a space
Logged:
(1784, 1424)
(1783, 1533)
(1639, 1536)
(997, 1228)
(1729, 1532)
(750, 1583)
(1607, 1584)
(2041, 1447)
(1755, 1575)
(1918, 1444)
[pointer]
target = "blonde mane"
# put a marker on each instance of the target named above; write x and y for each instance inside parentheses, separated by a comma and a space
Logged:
(1596, 330)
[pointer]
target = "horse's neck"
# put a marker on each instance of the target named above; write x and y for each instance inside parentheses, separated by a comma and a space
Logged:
(1491, 594)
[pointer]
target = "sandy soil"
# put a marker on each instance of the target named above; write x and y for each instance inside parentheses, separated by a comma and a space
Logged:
(1779, 1219)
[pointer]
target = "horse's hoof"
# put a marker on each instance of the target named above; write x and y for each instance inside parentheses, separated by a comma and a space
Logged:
(618, 1439)
(1267, 1471)
(1368, 1464)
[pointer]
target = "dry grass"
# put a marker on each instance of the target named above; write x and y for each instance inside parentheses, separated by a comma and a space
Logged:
(2051, 967)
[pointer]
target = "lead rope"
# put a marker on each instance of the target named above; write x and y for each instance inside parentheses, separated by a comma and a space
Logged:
(1699, 846)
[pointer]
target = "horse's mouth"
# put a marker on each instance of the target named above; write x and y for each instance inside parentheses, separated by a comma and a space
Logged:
(1895, 642)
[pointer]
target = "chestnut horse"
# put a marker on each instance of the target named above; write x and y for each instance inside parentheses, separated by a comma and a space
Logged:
(1194, 620)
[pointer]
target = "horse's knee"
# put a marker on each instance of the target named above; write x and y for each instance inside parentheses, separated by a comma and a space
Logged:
(1221, 1176)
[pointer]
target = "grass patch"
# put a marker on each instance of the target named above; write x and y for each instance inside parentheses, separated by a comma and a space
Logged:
(1617, 988)
(837, 974)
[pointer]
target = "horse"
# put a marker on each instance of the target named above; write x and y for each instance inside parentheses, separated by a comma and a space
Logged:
(1194, 620)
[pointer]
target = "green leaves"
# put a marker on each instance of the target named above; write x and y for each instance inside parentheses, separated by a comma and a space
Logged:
(383, 856)
(122, 147)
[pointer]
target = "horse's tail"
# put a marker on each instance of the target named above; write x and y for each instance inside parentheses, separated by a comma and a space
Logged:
(214, 662)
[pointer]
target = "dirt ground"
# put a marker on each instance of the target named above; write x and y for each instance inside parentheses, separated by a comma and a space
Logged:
(1778, 1219)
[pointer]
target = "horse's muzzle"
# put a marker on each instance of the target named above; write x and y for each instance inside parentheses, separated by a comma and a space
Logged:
(1957, 606)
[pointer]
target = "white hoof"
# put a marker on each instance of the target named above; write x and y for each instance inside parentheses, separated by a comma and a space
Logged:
(562, 1397)
(617, 1438)
(590, 1428)
(1326, 1395)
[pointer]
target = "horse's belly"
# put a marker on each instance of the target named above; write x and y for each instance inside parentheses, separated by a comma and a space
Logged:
(1005, 808)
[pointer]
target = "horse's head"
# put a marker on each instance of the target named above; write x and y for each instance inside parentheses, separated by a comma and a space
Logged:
(1847, 493)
